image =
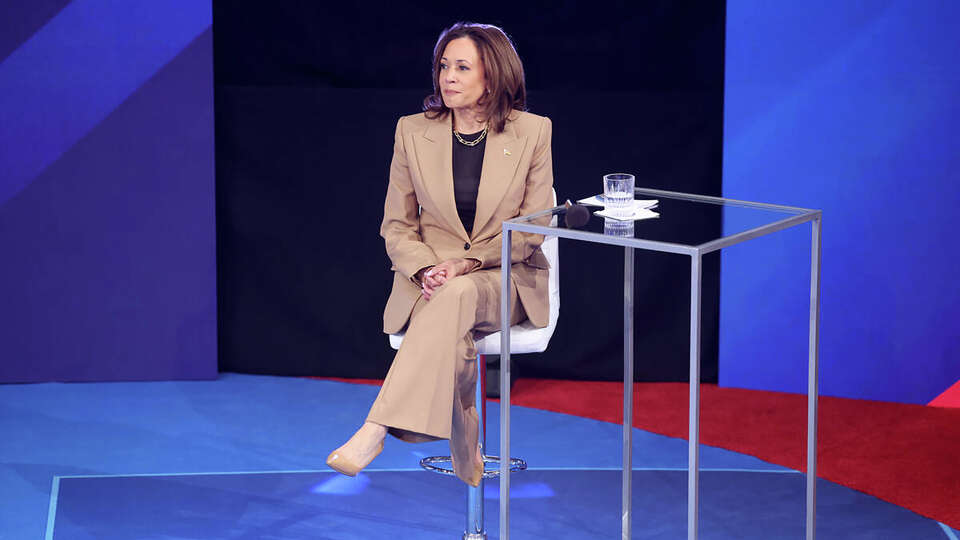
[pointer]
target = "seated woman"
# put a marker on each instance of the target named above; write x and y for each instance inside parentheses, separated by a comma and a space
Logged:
(471, 160)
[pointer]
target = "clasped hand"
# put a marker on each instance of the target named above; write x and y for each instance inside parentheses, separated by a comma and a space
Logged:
(433, 277)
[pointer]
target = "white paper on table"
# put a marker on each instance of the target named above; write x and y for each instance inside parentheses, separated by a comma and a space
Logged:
(638, 214)
(597, 200)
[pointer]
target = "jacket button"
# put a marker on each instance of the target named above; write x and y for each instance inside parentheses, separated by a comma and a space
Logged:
(466, 246)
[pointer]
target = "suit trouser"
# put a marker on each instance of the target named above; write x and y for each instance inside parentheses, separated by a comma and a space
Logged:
(429, 392)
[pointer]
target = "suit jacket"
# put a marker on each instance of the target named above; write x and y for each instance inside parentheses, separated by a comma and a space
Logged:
(421, 226)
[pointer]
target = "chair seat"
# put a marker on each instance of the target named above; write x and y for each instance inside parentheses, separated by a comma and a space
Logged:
(524, 338)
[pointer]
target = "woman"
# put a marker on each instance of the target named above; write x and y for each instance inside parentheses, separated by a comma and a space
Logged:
(471, 160)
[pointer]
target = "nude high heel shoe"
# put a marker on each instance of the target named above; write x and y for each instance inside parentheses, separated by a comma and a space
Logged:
(347, 460)
(340, 461)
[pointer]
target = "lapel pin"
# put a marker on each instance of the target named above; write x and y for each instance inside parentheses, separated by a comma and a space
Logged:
(506, 152)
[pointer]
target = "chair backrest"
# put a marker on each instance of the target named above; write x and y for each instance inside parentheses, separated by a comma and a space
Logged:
(551, 248)
(524, 337)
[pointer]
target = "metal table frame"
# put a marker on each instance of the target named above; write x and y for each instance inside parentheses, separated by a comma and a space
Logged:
(696, 253)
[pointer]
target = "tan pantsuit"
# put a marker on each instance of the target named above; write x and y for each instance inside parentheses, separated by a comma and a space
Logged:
(428, 393)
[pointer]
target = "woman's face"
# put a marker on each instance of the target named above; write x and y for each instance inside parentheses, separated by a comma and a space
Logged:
(461, 78)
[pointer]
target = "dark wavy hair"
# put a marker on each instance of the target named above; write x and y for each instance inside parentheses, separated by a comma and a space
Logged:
(502, 68)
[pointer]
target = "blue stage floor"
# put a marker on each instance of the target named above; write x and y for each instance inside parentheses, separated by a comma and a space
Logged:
(242, 458)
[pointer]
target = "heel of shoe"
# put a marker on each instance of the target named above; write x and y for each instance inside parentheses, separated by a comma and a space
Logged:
(476, 474)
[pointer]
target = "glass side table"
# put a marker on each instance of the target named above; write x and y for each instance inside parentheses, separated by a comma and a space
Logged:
(744, 221)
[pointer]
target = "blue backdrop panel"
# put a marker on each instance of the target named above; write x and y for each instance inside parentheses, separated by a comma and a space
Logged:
(107, 197)
(851, 108)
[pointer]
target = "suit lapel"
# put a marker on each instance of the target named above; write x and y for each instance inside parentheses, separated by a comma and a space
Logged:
(435, 156)
(500, 159)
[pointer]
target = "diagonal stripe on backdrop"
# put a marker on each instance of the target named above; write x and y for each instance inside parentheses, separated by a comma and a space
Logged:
(20, 20)
(78, 68)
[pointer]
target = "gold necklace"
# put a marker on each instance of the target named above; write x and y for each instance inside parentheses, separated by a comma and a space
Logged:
(473, 142)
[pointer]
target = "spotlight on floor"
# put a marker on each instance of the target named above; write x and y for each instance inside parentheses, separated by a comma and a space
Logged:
(342, 485)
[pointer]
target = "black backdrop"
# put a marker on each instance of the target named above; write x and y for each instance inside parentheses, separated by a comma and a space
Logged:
(307, 96)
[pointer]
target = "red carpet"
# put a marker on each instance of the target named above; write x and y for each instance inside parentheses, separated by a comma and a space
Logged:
(908, 455)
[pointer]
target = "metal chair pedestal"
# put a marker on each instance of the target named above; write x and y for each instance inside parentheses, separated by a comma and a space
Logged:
(444, 465)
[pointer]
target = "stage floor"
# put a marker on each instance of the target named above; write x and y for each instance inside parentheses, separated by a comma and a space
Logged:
(242, 457)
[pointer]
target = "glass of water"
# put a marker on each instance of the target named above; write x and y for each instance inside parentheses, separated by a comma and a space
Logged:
(618, 193)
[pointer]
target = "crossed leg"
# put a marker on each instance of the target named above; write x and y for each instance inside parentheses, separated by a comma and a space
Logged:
(428, 393)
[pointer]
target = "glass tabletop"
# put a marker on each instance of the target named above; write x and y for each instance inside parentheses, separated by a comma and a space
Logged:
(697, 222)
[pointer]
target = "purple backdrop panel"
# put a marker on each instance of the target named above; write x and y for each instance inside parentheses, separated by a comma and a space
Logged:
(108, 255)
(68, 76)
(20, 20)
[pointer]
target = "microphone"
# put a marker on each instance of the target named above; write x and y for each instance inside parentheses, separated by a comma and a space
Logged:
(577, 215)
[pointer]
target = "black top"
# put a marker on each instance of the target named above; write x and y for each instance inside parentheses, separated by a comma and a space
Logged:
(467, 164)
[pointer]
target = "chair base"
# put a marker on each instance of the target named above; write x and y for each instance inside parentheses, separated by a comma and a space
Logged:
(474, 536)
(444, 465)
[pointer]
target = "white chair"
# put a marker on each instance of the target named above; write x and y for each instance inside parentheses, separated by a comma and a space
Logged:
(524, 338)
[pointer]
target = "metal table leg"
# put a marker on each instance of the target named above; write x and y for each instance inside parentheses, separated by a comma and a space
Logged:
(812, 378)
(505, 384)
(693, 462)
(627, 391)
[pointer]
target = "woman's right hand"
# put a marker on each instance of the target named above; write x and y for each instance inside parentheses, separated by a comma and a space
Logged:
(435, 276)
(431, 279)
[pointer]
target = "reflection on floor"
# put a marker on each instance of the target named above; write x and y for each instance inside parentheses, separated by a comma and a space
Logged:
(573, 504)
